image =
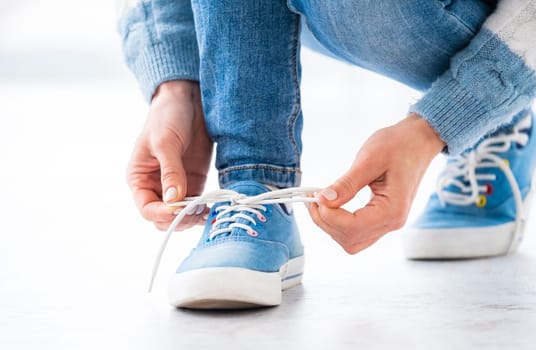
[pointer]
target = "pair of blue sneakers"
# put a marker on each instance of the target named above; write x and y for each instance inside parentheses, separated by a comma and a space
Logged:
(248, 254)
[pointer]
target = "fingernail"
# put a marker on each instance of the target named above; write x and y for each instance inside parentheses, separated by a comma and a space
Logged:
(192, 210)
(171, 194)
(200, 209)
(307, 205)
(205, 217)
(329, 194)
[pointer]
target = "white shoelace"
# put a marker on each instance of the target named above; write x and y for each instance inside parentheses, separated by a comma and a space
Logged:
(463, 170)
(238, 203)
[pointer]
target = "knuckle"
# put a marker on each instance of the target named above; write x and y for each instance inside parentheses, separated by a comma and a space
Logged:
(160, 145)
(145, 214)
(365, 155)
(316, 218)
(351, 248)
(161, 226)
(397, 223)
(162, 142)
(347, 184)
(399, 218)
(169, 172)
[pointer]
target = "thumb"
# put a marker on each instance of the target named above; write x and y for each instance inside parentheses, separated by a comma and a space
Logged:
(363, 171)
(173, 176)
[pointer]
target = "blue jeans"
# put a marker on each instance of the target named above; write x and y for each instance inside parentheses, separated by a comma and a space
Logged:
(250, 66)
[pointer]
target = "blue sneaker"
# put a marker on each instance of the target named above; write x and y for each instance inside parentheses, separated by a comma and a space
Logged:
(246, 256)
(482, 199)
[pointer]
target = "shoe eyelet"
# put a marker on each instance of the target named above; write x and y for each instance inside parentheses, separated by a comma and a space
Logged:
(252, 233)
(506, 162)
(489, 189)
(261, 217)
(481, 202)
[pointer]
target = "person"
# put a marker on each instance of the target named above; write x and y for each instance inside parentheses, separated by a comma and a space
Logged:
(228, 72)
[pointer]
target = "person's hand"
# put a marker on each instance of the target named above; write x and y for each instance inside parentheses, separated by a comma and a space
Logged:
(391, 162)
(172, 155)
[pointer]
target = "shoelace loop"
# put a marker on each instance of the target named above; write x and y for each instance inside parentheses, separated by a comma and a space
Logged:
(238, 202)
(238, 209)
(461, 172)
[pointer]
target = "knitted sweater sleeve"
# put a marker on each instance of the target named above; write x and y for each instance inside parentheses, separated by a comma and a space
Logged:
(489, 81)
(159, 41)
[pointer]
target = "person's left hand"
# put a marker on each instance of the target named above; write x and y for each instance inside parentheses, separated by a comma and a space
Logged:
(392, 163)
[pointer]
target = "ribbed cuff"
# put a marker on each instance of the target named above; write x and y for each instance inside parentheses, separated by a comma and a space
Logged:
(454, 113)
(166, 61)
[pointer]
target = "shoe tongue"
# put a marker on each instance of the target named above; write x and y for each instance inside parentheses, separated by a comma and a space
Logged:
(249, 188)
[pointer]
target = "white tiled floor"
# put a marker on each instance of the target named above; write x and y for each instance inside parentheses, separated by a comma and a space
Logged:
(75, 257)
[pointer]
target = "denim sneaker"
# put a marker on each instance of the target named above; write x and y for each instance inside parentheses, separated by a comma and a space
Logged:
(482, 200)
(246, 256)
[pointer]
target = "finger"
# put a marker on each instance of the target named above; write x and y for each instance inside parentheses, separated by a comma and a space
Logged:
(363, 171)
(377, 218)
(200, 209)
(351, 242)
(164, 226)
(173, 177)
(154, 209)
(337, 235)
(187, 222)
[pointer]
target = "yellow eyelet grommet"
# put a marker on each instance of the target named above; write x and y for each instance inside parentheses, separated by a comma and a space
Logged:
(506, 162)
(481, 202)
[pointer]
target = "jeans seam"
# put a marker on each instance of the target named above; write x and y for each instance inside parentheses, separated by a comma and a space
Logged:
(449, 54)
(457, 18)
(297, 98)
(259, 166)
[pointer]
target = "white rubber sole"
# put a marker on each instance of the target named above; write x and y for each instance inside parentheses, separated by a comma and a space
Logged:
(233, 288)
(465, 243)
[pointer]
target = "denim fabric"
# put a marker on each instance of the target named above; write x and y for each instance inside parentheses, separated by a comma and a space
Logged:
(246, 55)
(250, 76)
(250, 68)
(410, 41)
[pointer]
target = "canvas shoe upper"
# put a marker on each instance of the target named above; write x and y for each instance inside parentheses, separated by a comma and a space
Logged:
(246, 255)
(482, 199)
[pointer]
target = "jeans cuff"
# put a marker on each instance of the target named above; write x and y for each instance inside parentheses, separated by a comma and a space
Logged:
(267, 174)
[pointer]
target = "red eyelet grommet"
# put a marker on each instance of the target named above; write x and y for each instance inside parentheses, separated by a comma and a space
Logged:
(253, 233)
(489, 189)
(261, 218)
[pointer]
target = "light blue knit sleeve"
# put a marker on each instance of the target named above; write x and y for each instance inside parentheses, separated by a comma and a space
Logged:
(489, 81)
(159, 41)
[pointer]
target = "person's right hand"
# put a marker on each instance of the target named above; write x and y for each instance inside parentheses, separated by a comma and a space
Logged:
(172, 155)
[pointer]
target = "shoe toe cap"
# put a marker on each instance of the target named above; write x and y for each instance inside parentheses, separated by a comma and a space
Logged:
(259, 255)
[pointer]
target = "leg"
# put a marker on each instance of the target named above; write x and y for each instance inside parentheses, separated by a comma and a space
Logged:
(249, 78)
(410, 41)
